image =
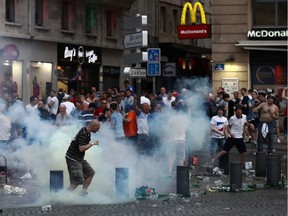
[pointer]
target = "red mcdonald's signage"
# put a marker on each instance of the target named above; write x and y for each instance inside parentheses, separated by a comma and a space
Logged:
(193, 31)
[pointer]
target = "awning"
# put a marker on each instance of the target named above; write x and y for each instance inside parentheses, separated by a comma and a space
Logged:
(268, 45)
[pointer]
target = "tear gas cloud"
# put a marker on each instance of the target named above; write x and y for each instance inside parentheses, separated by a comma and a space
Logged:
(45, 145)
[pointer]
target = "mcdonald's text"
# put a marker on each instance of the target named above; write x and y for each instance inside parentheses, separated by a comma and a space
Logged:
(194, 31)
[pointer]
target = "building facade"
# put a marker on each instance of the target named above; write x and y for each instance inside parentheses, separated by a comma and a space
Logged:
(249, 44)
(51, 44)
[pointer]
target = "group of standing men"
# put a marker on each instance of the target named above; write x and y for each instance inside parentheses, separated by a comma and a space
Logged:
(261, 116)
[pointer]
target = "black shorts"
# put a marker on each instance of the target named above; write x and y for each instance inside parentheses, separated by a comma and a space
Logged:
(239, 142)
(78, 171)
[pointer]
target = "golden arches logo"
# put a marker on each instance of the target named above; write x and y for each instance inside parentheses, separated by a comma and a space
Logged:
(194, 31)
(193, 13)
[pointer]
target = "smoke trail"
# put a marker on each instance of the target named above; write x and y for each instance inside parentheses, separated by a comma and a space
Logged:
(45, 147)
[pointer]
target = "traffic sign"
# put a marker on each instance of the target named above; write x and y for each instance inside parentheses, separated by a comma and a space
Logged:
(135, 58)
(154, 54)
(153, 69)
(138, 72)
(135, 22)
(138, 39)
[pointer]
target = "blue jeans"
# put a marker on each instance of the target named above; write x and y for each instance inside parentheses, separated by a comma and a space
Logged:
(270, 137)
(217, 144)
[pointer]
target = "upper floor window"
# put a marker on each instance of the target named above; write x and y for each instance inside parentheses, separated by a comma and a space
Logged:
(67, 15)
(163, 18)
(111, 24)
(90, 19)
(39, 21)
(270, 13)
(175, 21)
(10, 10)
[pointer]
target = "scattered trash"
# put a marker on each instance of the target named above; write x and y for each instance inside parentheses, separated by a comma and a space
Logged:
(194, 194)
(10, 190)
(259, 186)
(218, 183)
(47, 208)
(180, 208)
(206, 179)
(154, 205)
(227, 208)
(217, 171)
(145, 192)
(186, 200)
(248, 165)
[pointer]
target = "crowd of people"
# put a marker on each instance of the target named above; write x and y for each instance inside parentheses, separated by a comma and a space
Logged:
(143, 121)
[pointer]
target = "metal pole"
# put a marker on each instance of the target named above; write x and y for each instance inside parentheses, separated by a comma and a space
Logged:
(121, 182)
(224, 163)
(183, 180)
(56, 180)
(260, 170)
(272, 170)
(235, 176)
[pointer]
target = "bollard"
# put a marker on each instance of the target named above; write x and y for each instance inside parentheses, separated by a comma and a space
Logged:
(235, 176)
(224, 163)
(121, 182)
(56, 180)
(183, 180)
(260, 167)
(272, 171)
(278, 156)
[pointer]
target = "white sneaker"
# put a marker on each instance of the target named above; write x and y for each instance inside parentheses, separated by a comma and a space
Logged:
(26, 176)
(278, 140)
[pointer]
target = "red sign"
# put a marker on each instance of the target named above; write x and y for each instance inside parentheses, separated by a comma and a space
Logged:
(194, 31)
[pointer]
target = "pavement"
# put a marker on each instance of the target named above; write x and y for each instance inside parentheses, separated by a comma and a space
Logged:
(263, 200)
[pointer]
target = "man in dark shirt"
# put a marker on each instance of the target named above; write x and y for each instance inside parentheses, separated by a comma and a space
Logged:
(80, 171)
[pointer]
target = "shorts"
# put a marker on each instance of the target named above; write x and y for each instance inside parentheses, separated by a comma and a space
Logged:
(239, 142)
(78, 171)
(276, 123)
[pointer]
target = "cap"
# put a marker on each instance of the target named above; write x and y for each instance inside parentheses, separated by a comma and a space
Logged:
(144, 100)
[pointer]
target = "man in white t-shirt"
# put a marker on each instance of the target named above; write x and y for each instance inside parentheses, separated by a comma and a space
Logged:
(218, 125)
(33, 104)
(53, 102)
(169, 99)
(235, 132)
(69, 105)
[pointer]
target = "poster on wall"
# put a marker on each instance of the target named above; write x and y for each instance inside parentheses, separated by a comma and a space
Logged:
(272, 74)
(230, 85)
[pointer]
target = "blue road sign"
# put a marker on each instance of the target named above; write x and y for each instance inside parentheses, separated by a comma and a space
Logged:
(219, 67)
(154, 54)
(153, 69)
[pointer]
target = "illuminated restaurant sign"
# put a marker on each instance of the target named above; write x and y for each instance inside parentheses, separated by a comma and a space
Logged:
(194, 31)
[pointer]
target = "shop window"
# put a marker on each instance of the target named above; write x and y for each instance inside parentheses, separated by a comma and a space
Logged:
(11, 79)
(111, 24)
(10, 10)
(67, 15)
(276, 13)
(90, 19)
(163, 18)
(40, 78)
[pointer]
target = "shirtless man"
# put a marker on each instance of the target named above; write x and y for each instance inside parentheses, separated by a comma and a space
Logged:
(268, 112)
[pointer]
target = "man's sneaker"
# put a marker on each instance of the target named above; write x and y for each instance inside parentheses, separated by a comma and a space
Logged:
(273, 150)
(83, 194)
(278, 140)
(26, 176)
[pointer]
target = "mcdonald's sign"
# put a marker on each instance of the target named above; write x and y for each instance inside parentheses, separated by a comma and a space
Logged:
(193, 31)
